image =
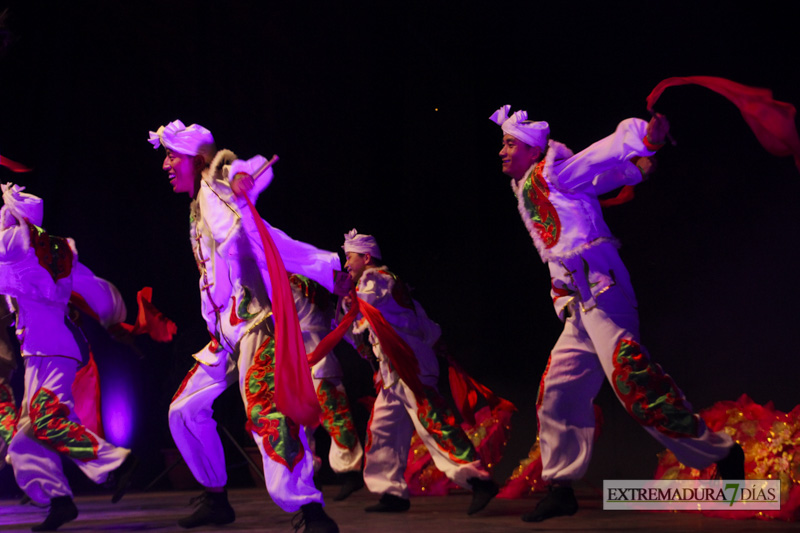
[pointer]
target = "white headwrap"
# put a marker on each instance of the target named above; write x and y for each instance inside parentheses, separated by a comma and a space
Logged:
(22, 205)
(361, 244)
(192, 140)
(530, 132)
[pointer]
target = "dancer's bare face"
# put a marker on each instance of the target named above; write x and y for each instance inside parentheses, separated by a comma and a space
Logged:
(356, 264)
(517, 156)
(183, 171)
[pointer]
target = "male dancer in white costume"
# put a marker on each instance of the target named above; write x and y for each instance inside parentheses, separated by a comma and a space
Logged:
(238, 313)
(405, 405)
(315, 311)
(557, 193)
(38, 270)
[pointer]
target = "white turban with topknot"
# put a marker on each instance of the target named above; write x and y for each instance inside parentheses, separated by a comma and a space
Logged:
(191, 140)
(528, 131)
(22, 205)
(361, 244)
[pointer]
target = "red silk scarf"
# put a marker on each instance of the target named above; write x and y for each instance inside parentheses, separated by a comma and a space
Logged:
(772, 121)
(13, 165)
(294, 389)
(400, 354)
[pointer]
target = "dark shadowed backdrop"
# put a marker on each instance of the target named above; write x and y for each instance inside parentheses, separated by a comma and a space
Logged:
(379, 114)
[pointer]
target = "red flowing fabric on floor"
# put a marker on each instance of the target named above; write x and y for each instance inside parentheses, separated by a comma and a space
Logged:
(771, 442)
(771, 121)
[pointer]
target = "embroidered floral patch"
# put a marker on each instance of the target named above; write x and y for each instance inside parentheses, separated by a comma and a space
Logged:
(51, 424)
(543, 214)
(185, 382)
(311, 290)
(8, 413)
(540, 394)
(280, 435)
(241, 309)
(650, 395)
(336, 417)
(436, 417)
(53, 253)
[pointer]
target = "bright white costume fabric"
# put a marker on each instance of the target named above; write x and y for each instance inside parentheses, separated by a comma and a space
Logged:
(235, 305)
(38, 271)
(592, 294)
(397, 413)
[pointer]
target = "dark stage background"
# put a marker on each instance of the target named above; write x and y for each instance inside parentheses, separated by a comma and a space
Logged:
(379, 113)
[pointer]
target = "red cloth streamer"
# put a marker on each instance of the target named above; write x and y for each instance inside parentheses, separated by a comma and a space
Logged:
(772, 121)
(396, 349)
(465, 390)
(79, 302)
(294, 390)
(329, 342)
(149, 319)
(400, 354)
(86, 395)
(624, 196)
(86, 386)
(13, 165)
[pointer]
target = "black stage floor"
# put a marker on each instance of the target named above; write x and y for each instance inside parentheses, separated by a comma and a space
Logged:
(159, 511)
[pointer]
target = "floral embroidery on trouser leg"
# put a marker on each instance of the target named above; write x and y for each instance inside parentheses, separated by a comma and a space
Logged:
(345, 453)
(438, 419)
(650, 395)
(336, 417)
(8, 413)
(280, 435)
(51, 424)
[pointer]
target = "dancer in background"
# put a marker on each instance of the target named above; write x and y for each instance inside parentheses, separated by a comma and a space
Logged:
(396, 329)
(37, 270)
(315, 312)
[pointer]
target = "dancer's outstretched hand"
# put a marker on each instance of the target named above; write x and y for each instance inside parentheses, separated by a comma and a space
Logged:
(242, 183)
(657, 129)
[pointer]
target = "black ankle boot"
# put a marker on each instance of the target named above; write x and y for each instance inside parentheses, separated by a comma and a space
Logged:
(121, 477)
(352, 482)
(732, 465)
(389, 503)
(313, 517)
(560, 501)
(483, 490)
(212, 508)
(62, 510)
